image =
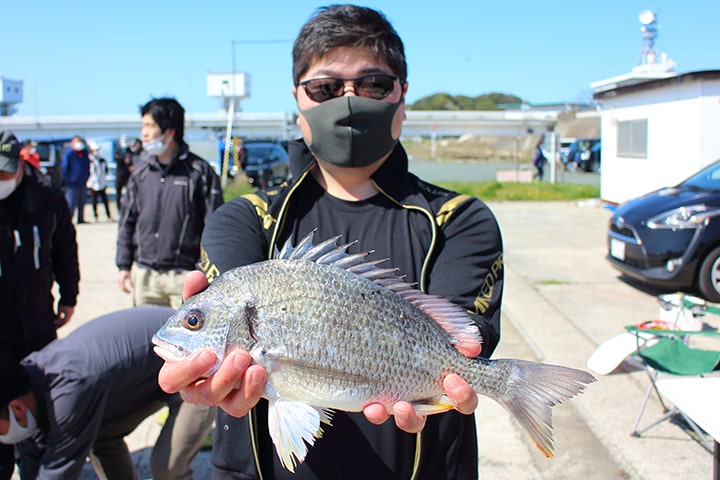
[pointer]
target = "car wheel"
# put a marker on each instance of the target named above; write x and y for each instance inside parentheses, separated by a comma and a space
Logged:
(709, 276)
(572, 166)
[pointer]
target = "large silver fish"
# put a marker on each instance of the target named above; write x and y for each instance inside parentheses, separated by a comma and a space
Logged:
(335, 331)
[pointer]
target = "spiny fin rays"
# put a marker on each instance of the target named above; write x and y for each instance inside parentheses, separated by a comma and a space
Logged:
(452, 318)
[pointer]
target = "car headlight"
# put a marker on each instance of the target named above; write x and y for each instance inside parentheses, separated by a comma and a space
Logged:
(682, 218)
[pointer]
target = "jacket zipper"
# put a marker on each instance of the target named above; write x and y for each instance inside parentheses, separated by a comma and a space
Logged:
(423, 287)
(278, 224)
(36, 247)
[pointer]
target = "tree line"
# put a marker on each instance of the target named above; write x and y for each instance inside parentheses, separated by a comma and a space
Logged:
(445, 101)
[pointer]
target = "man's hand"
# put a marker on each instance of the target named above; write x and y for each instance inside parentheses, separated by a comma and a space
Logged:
(195, 282)
(64, 315)
(124, 281)
(408, 420)
(235, 387)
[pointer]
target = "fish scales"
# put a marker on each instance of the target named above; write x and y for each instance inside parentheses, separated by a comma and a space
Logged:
(383, 337)
(335, 332)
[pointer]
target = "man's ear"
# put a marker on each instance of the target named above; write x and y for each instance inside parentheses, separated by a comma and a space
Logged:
(19, 409)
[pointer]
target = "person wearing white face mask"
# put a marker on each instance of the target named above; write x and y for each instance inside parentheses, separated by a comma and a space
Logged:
(76, 170)
(79, 396)
(38, 248)
(169, 197)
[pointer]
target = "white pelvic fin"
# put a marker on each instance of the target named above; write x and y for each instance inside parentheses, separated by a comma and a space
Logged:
(293, 426)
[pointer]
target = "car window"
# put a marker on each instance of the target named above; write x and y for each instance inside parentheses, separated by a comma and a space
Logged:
(257, 154)
(706, 179)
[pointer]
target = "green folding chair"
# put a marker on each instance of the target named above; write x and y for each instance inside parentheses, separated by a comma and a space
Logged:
(672, 355)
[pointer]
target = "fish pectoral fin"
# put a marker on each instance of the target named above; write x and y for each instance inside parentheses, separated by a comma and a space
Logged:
(434, 405)
(293, 426)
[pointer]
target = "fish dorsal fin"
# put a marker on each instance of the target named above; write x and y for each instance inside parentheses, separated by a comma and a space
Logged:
(451, 317)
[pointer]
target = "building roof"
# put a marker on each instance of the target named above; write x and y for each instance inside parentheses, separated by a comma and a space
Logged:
(657, 83)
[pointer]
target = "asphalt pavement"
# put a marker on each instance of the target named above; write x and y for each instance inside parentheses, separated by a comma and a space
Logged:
(561, 300)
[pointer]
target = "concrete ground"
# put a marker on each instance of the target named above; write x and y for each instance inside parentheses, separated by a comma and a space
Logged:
(561, 300)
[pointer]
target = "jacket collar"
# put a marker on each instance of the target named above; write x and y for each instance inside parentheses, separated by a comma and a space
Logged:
(180, 155)
(34, 189)
(391, 177)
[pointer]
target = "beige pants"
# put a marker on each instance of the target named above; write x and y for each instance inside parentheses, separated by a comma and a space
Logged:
(151, 287)
(187, 425)
(180, 440)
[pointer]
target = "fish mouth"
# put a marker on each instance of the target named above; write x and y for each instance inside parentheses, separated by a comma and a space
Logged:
(167, 351)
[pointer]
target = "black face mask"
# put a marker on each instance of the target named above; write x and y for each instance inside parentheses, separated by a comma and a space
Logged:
(351, 131)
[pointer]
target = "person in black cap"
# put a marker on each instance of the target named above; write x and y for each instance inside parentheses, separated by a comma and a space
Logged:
(38, 248)
(81, 395)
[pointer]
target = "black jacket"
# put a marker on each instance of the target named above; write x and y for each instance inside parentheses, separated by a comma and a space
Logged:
(449, 244)
(97, 382)
(37, 248)
(165, 212)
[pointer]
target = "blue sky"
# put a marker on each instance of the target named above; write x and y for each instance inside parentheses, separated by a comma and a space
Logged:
(95, 57)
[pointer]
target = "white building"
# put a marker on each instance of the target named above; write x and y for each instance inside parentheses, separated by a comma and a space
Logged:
(657, 132)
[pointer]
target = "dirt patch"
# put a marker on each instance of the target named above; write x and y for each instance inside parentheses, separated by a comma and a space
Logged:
(485, 148)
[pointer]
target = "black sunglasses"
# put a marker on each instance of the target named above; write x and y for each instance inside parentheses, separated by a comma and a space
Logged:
(376, 86)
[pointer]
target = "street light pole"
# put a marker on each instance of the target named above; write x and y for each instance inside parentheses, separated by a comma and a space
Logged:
(231, 104)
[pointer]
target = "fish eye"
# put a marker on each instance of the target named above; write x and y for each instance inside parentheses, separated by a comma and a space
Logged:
(194, 320)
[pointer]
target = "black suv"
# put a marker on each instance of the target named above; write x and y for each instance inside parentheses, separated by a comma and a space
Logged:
(265, 162)
(584, 154)
(51, 153)
(670, 238)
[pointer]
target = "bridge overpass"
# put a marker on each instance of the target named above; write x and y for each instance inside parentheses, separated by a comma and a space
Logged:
(207, 126)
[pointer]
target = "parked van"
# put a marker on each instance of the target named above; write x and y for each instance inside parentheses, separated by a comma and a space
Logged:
(51, 152)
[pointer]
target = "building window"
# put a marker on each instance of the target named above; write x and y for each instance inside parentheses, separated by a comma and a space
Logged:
(632, 138)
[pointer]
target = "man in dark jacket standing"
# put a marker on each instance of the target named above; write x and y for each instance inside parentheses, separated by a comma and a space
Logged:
(125, 162)
(76, 170)
(170, 196)
(37, 248)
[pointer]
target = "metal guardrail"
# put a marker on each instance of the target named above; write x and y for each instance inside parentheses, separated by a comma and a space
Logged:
(281, 124)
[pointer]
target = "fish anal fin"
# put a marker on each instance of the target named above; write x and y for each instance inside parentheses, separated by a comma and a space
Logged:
(293, 427)
(440, 404)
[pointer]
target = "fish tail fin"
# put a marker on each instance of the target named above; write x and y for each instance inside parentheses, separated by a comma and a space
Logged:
(532, 389)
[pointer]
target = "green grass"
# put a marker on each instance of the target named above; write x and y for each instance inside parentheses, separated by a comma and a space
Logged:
(488, 191)
(492, 190)
(237, 187)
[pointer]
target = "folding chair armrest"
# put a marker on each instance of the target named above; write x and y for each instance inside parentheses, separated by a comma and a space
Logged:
(671, 333)
(703, 307)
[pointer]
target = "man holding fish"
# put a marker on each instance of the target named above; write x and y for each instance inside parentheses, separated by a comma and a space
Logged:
(350, 179)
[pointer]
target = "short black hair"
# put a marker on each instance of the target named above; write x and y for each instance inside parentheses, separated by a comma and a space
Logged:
(348, 26)
(167, 113)
(14, 381)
